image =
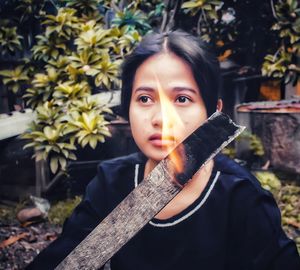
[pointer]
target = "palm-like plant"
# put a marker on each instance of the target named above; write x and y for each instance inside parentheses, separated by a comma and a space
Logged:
(126, 39)
(48, 113)
(69, 91)
(10, 41)
(74, 54)
(91, 126)
(133, 18)
(86, 7)
(48, 48)
(15, 78)
(64, 24)
(106, 72)
(85, 60)
(95, 39)
(29, 8)
(49, 143)
(201, 5)
(42, 87)
(282, 63)
(60, 64)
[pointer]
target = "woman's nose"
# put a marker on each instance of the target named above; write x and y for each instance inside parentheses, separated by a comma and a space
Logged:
(157, 118)
(161, 118)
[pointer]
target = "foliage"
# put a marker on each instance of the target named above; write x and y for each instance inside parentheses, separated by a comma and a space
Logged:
(14, 78)
(10, 41)
(74, 49)
(253, 143)
(87, 7)
(285, 62)
(133, 18)
(289, 204)
(269, 181)
(60, 211)
(204, 6)
(73, 56)
(287, 195)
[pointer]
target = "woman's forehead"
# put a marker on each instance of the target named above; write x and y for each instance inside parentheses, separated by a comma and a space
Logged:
(167, 69)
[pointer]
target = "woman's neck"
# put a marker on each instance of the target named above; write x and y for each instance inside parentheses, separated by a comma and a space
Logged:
(150, 165)
(190, 192)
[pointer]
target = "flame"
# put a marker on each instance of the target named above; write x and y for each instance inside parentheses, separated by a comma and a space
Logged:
(170, 119)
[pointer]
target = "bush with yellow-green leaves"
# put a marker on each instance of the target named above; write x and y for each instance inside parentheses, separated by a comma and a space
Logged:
(69, 49)
(75, 55)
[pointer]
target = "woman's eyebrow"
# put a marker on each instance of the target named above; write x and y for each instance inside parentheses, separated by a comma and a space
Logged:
(183, 88)
(176, 89)
(144, 88)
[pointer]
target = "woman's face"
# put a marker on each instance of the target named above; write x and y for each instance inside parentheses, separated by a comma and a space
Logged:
(165, 106)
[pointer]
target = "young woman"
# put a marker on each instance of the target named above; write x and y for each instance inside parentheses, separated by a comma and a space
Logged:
(222, 219)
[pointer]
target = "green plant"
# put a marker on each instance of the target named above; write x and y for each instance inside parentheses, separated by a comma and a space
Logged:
(269, 181)
(42, 85)
(285, 62)
(14, 78)
(48, 137)
(62, 210)
(97, 39)
(133, 18)
(64, 24)
(206, 10)
(84, 6)
(10, 41)
(255, 143)
(74, 54)
(68, 91)
(29, 9)
(126, 39)
(90, 127)
(289, 204)
(202, 5)
(48, 48)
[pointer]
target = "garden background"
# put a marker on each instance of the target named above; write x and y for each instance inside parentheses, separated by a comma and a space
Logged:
(59, 100)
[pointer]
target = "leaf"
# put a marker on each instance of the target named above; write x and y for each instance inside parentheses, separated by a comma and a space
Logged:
(192, 4)
(51, 133)
(63, 162)
(72, 156)
(54, 164)
(93, 142)
(12, 239)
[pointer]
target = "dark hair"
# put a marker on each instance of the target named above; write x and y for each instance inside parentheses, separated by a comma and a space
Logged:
(203, 63)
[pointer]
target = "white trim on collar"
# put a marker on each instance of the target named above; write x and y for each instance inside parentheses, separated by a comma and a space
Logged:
(136, 175)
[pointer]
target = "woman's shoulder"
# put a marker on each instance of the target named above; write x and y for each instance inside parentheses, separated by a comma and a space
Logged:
(115, 176)
(236, 179)
(123, 167)
(123, 161)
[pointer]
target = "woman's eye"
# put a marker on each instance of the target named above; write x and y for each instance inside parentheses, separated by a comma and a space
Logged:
(182, 99)
(144, 99)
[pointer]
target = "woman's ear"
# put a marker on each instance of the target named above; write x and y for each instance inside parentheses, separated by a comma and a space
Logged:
(219, 105)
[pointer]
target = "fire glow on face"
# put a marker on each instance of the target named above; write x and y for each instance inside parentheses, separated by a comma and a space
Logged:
(170, 121)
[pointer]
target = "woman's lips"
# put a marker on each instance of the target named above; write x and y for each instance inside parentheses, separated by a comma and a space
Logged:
(158, 140)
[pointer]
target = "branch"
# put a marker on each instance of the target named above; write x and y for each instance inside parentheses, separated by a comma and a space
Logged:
(273, 9)
(174, 13)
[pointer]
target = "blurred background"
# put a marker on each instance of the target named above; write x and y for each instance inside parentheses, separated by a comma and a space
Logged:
(60, 100)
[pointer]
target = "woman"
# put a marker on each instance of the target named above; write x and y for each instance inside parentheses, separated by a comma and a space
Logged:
(222, 219)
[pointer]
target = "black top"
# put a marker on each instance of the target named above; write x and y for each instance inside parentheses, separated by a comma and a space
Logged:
(234, 224)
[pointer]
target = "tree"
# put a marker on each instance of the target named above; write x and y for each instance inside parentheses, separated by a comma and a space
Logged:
(58, 53)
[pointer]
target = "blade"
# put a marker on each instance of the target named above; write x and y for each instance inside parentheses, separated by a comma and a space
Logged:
(149, 197)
